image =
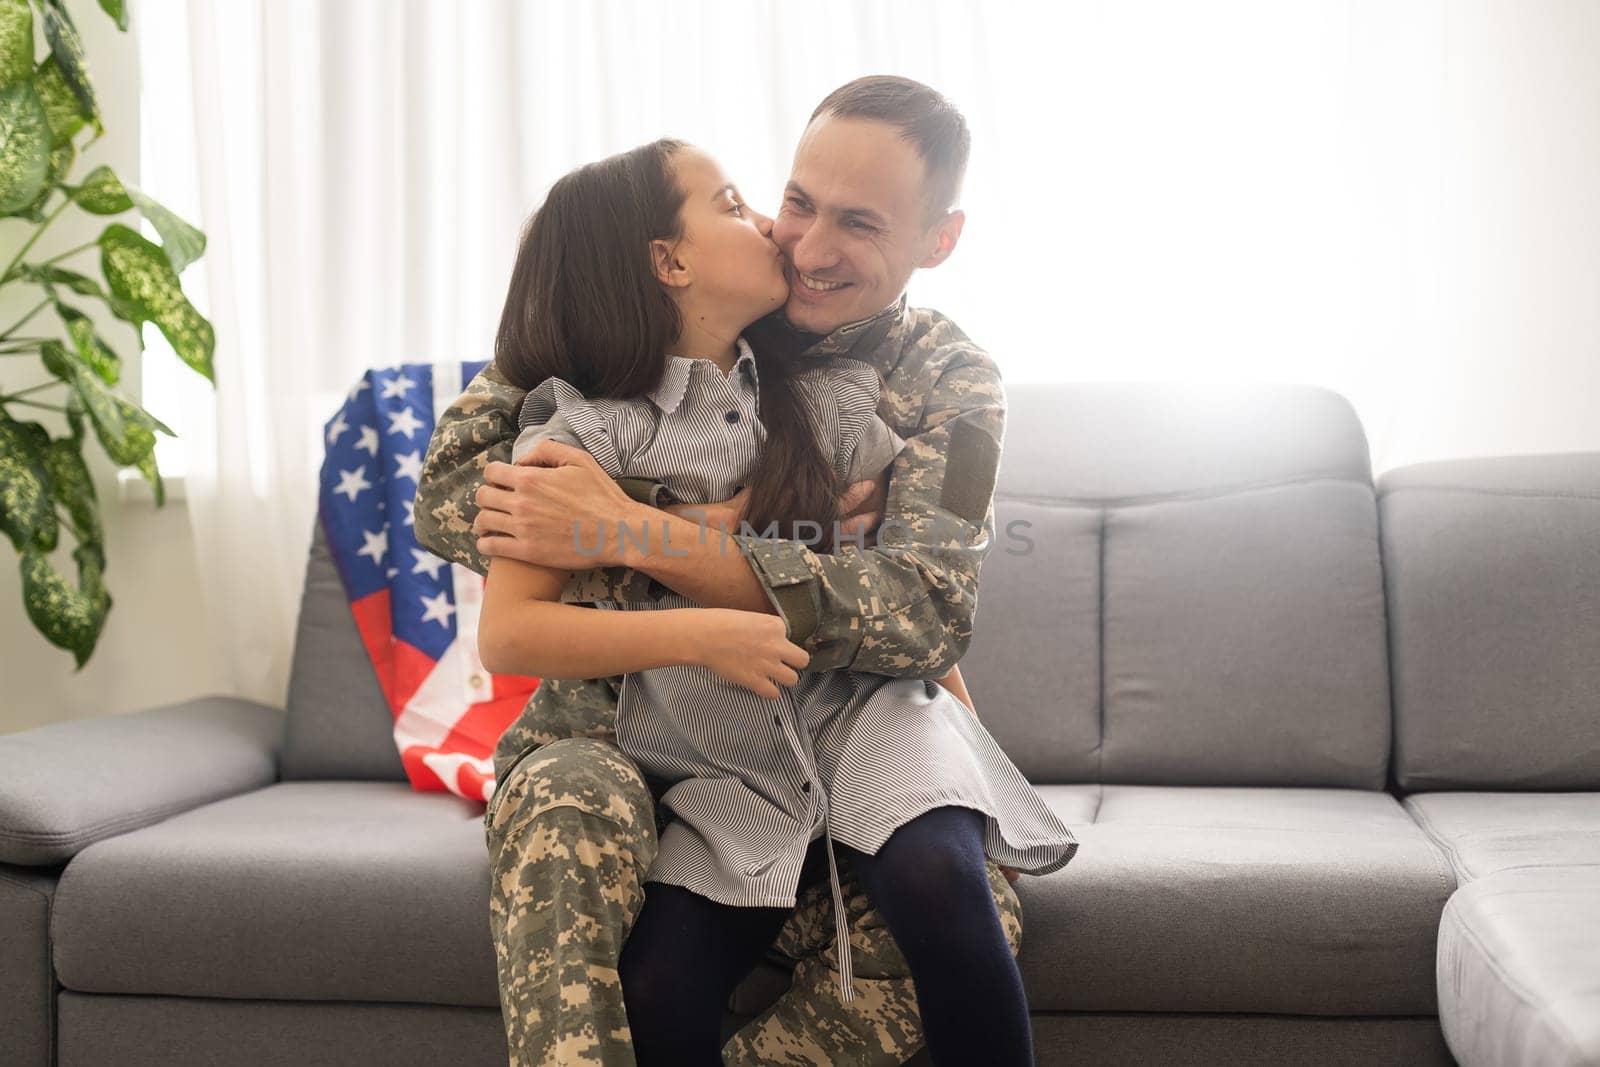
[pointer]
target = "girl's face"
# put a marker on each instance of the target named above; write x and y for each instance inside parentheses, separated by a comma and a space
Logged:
(734, 268)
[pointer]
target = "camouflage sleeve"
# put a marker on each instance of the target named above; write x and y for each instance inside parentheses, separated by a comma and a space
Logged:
(906, 607)
(479, 428)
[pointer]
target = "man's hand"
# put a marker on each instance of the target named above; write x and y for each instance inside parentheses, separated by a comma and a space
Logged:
(861, 509)
(725, 515)
(555, 508)
(1011, 876)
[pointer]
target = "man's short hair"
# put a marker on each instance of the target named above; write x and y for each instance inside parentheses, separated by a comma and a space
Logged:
(924, 117)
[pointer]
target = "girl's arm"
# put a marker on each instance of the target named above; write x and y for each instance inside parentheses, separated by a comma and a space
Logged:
(524, 629)
(953, 682)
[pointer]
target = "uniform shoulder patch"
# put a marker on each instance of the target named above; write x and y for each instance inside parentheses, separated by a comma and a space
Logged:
(970, 470)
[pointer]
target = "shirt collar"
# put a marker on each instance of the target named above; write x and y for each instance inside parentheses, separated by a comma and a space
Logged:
(668, 393)
(865, 339)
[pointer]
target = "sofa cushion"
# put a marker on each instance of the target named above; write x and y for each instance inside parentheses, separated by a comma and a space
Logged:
(302, 890)
(1493, 585)
(1200, 899)
(1519, 969)
(339, 724)
(1184, 589)
(1483, 833)
(1034, 664)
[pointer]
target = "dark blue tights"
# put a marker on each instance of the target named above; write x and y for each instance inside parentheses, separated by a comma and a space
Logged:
(685, 954)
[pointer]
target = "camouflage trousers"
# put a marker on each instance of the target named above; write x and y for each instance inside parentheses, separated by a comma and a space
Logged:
(571, 832)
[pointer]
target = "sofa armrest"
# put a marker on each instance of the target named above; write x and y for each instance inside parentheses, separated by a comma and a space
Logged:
(67, 785)
(27, 983)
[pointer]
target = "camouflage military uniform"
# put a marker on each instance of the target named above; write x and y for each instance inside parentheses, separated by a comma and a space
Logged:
(572, 826)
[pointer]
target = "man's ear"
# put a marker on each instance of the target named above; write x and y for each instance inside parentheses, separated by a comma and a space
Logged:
(668, 268)
(946, 232)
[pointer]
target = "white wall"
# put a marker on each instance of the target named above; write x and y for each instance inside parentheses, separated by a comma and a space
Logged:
(155, 647)
(1396, 199)
(1460, 160)
(1518, 225)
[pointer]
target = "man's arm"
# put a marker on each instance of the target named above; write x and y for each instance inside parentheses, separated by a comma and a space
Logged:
(905, 607)
(479, 427)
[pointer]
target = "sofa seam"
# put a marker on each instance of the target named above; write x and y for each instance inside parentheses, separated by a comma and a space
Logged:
(1271, 1016)
(110, 826)
(1536, 867)
(1458, 865)
(1207, 493)
(1100, 642)
(1552, 494)
(1367, 834)
(4, 877)
(1390, 658)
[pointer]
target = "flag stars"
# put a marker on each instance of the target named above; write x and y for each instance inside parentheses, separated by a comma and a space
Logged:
(427, 561)
(410, 519)
(377, 545)
(369, 440)
(410, 465)
(397, 386)
(352, 482)
(438, 609)
(337, 427)
(404, 422)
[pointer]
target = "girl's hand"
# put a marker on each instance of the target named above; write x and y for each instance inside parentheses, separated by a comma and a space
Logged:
(748, 648)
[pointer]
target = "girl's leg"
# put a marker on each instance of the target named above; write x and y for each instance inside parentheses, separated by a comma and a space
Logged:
(930, 882)
(681, 962)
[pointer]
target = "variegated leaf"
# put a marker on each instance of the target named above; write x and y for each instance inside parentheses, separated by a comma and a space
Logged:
(141, 275)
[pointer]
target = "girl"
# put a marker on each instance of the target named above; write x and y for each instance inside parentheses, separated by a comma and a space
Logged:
(632, 288)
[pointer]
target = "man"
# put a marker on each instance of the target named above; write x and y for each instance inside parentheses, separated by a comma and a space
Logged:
(572, 825)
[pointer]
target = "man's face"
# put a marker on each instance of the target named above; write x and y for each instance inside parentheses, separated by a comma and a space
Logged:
(851, 222)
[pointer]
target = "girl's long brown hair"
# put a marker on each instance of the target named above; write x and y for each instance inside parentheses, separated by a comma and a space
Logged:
(584, 305)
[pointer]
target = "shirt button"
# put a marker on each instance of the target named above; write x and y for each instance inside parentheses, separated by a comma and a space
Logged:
(777, 721)
(805, 788)
(732, 416)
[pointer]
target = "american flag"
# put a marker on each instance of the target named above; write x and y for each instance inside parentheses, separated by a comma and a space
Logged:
(417, 613)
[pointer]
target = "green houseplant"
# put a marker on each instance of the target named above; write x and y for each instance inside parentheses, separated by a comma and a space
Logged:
(45, 486)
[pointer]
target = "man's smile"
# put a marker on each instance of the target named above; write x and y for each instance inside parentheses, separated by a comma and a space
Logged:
(813, 288)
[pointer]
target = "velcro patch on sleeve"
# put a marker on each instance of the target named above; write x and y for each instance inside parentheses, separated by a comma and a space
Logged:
(644, 490)
(970, 470)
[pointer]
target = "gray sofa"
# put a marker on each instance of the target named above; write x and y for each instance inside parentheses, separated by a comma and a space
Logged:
(1332, 751)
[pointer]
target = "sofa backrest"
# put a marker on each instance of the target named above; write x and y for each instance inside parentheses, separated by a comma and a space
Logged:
(338, 724)
(1184, 588)
(1493, 574)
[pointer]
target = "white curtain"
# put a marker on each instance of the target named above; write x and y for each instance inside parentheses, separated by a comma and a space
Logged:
(1392, 199)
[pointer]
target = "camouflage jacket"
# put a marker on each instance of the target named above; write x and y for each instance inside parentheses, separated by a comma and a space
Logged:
(904, 608)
